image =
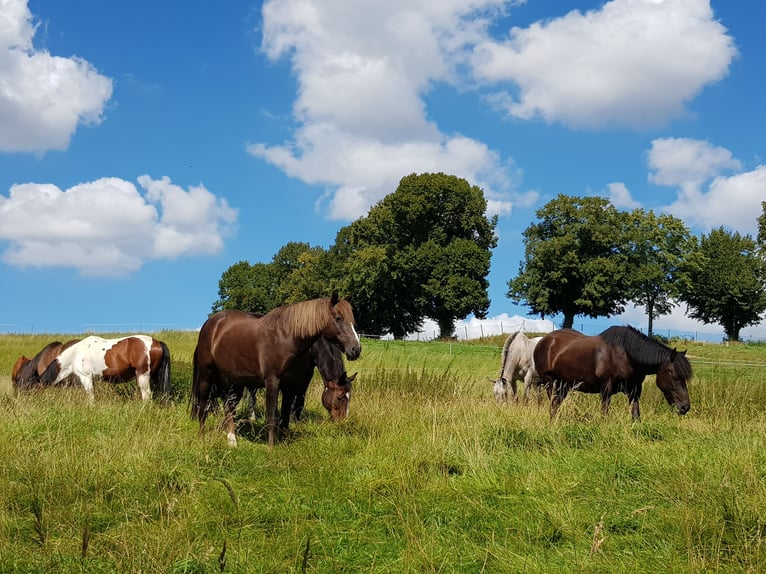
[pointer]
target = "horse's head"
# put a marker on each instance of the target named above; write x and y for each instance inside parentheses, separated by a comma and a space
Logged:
(340, 330)
(672, 378)
(21, 362)
(499, 389)
(337, 396)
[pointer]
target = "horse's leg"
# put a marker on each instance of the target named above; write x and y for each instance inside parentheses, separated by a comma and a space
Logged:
(230, 407)
(272, 398)
(528, 380)
(558, 392)
(144, 386)
(288, 398)
(251, 402)
(633, 396)
(87, 384)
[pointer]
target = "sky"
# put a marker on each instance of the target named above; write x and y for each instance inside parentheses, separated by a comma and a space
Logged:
(145, 147)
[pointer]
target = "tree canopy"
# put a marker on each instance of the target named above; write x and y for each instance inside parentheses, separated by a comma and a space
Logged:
(575, 260)
(726, 282)
(422, 251)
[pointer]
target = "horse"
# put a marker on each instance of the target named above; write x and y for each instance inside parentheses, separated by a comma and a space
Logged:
(336, 395)
(516, 363)
(237, 350)
(26, 372)
(616, 360)
(115, 360)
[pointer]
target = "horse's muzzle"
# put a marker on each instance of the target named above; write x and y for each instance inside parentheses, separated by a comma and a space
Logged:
(354, 352)
(683, 409)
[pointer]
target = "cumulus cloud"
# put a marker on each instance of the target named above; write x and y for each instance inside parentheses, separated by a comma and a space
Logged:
(619, 195)
(712, 189)
(107, 227)
(43, 98)
(631, 63)
(363, 69)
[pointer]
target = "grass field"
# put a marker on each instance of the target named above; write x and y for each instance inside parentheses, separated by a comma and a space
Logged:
(428, 474)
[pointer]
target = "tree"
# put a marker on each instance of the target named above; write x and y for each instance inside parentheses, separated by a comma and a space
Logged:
(575, 260)
(726, 282)
(658, 246)
(422, 251)
(247, 288)
(762, 227)
(292, 275)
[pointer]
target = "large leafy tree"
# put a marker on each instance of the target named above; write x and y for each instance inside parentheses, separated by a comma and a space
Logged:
(726, 282)
(247, 288)
(575, 260)
(658, 246)
(292, 275)
(422, 251)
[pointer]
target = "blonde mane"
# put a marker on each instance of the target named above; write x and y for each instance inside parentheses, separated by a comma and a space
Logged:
(307, 318)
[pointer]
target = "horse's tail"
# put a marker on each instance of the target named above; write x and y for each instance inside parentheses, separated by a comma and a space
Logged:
(200, 393)
(161, 375)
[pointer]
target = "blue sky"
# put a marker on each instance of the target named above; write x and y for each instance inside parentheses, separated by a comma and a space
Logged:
(147, 146)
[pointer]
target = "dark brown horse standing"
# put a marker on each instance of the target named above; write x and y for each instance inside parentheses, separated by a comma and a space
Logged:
(615, 361)
(237, 350)
(336, 395)
(26, 372)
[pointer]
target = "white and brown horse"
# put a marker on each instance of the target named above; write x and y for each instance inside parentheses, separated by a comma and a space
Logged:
(115, 360)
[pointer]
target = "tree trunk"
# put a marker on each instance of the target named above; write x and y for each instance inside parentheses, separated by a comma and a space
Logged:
(446, 327)
(568, 320)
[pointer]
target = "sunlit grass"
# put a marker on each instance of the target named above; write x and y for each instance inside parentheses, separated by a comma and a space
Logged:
(428, 474)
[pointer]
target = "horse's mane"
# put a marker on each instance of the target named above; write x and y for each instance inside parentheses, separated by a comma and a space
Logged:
(504, 356)
(646, 350)
(307, 318)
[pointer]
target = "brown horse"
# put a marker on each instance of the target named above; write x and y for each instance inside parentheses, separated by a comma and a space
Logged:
(116, 360)
(237, 350)
(26, 372)
(336, 395)
(615, 361)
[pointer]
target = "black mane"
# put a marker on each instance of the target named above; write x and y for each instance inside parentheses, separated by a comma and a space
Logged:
(645, 350)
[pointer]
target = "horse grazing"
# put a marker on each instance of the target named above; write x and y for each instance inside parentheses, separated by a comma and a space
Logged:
(516, 364)
(237, 350)
(615, 361)
(116, 360)
(26, 372)
(336, 396)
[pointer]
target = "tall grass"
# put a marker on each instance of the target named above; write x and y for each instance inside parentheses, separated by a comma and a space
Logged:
(428, 474)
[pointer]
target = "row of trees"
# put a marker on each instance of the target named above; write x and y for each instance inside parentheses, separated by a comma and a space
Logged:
(585, 257)
(424, 252)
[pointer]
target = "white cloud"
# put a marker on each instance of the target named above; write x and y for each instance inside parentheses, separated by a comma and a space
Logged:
(619, 195)
(363, 69)
(707, 198)
(107, 228)
(687, 162)
(630, 63)
(44, 98)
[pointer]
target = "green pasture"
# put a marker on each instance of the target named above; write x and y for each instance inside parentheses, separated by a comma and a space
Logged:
(428, 474)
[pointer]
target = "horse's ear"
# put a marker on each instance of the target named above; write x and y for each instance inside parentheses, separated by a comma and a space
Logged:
(334, 298)
(350, 379)
(683, 353)
(673, 354)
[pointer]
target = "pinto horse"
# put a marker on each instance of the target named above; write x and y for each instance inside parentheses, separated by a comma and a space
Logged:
(237, 350)
(336, 396)
(615, 361)
(116, 360)
(516, 364)
(26, 372)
